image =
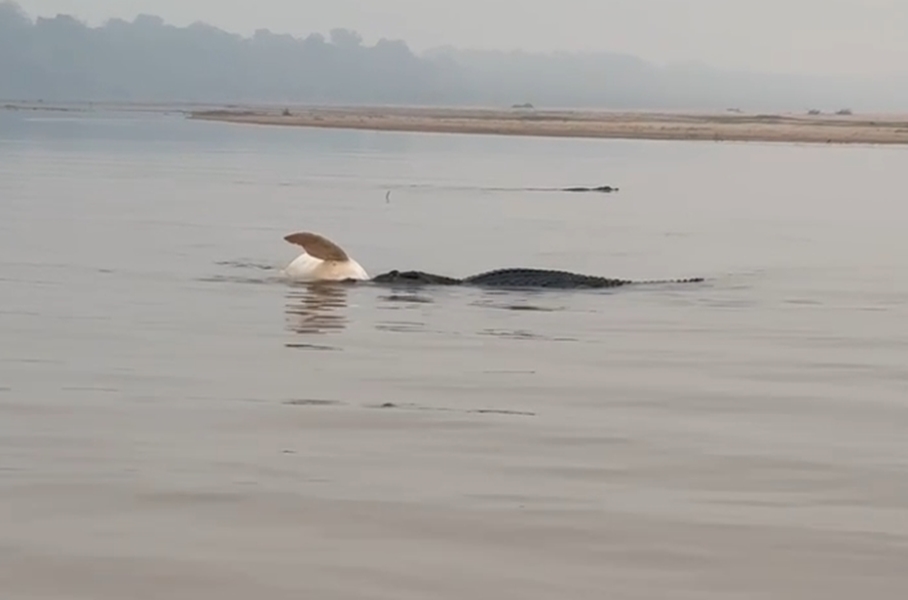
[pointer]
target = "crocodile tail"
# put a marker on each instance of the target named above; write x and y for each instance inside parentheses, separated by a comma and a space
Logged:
(667, 281)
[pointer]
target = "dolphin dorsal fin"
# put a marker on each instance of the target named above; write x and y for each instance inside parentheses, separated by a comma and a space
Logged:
(317, 246)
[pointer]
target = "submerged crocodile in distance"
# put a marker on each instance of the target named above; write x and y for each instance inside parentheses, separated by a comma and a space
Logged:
(323, 260)
(602, 188)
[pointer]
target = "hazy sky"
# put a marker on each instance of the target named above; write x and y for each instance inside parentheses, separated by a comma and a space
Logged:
(821, 36)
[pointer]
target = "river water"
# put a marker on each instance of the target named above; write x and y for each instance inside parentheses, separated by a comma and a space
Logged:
(177, 422)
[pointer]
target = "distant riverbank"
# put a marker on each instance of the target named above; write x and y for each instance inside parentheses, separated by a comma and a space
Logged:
(657, 125)
(731, 126)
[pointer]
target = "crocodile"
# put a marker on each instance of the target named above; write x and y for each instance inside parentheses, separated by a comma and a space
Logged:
(602, 188)
(323, 260)
(519, 277)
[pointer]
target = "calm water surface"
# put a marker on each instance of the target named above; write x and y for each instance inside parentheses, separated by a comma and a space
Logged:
(176, 419)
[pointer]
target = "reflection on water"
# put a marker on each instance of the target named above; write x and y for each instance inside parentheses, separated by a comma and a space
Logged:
(317, 308)
(404, 299)
(414, 299)
(527, 299)
(744, 437)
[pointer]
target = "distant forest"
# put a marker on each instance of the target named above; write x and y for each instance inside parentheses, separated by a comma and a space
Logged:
(62, 59)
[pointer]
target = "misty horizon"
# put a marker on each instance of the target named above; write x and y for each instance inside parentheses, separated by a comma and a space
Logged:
(65, 58)
(808, 37)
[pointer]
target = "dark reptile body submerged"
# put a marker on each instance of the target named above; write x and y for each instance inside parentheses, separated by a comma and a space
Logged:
(517, 278)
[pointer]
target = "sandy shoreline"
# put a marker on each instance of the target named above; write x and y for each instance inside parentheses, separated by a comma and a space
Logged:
(876, 129)
(731, 125)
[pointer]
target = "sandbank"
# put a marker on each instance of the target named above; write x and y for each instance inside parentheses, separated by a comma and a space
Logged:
(731, 126)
